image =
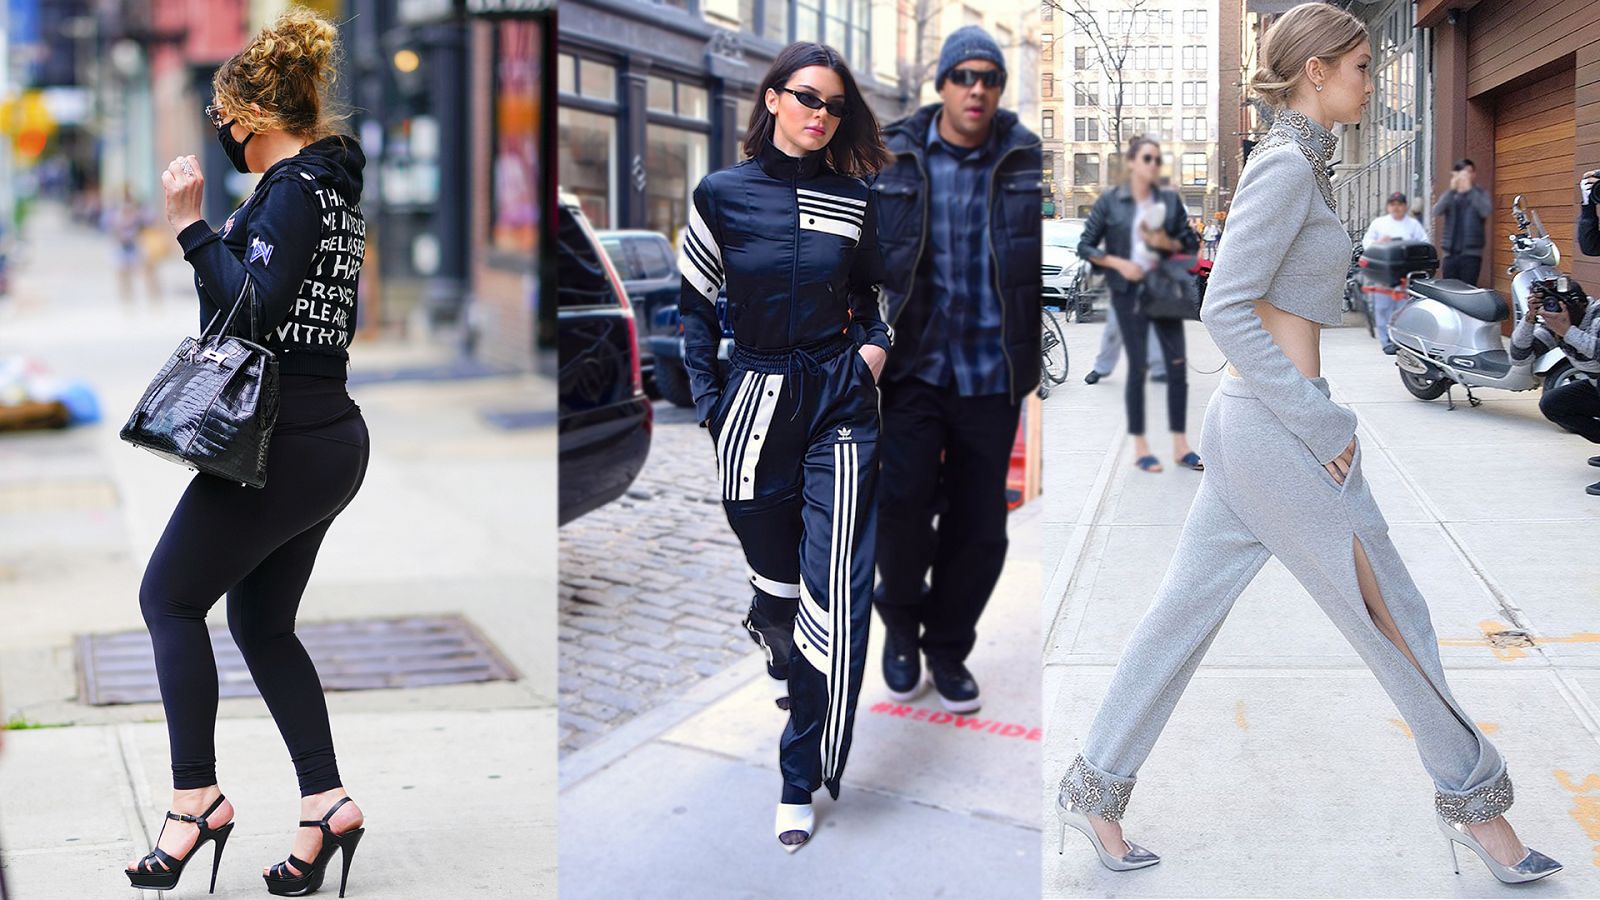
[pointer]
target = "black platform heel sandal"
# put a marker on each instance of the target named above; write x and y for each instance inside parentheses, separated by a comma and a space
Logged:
(282, 882)
(159, 871)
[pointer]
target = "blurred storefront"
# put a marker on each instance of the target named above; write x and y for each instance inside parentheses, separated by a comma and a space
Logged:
(1517, 90)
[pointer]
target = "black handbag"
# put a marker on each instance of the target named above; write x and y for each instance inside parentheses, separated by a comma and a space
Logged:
(213, 405)
(1169, 291)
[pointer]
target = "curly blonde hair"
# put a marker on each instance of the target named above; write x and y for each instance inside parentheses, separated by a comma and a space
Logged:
(281, 79)
(1308, 31)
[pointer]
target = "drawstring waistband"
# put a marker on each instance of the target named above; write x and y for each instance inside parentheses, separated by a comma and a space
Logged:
(807, 358)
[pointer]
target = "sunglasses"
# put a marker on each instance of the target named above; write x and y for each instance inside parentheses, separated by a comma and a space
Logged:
(214, 115)
(992, 78)
(835, 108)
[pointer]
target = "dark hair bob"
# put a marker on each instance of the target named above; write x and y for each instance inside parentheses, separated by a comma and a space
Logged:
(857, 146)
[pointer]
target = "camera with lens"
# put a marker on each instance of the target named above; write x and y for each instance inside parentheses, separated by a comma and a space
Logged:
(1560, 293)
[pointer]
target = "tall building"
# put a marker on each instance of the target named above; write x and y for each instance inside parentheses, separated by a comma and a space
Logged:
(1054, 93)
(1141, 67)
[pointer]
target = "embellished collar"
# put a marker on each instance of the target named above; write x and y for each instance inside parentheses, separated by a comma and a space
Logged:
(1307, 132)
(784, 167)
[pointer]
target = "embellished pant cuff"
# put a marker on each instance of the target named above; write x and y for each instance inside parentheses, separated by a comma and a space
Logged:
(1477, 805)
(1096, 792)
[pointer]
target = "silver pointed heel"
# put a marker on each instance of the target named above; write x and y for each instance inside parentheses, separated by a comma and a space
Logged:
(1136, 858)
(1532, 867)
(794, 818)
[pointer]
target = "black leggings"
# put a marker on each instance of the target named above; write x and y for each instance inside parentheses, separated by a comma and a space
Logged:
(1135, 336)
(258, 546)
(1574, 406)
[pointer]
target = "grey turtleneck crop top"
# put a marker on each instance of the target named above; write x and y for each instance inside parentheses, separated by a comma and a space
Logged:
(1285, 244)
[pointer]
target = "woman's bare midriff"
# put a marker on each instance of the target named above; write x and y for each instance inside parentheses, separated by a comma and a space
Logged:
(1299, 339)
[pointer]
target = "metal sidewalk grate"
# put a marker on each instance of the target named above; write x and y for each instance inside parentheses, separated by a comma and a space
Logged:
(351, 655)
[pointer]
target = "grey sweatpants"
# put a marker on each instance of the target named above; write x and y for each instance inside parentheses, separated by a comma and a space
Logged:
(1111, 348)
(1264, 494)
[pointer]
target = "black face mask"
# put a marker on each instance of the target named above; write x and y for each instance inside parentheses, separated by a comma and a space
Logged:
(233, 149)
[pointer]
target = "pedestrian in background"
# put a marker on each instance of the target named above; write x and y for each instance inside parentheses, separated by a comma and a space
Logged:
(1589, 212)
(1396, 225)
(1105, 361)
(963, 297)
(129, 223)
(1211, 235)
(293, 250)
(1465, 208)
(1131, 227)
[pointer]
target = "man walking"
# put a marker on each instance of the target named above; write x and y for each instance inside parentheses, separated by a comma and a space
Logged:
(1465, 207)
(1397, 225)
(959, 229)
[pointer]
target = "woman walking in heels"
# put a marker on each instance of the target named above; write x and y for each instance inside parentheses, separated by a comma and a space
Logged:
(1131, 227)
(1283, 478)
(791, 232)
(298, 240)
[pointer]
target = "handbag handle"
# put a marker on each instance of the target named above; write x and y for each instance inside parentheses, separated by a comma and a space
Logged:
(247, 288)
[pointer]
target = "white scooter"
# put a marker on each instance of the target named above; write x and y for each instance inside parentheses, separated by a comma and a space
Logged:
(1448, 333)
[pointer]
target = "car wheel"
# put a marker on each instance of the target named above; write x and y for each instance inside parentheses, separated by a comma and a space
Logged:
(672, 380)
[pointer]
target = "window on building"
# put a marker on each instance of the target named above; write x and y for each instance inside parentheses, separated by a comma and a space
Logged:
(1085, 168)
(1166, 57)
(1047, 85)
(1166, 21)
(1166, 93)
(1194, 56)
(1194, 21)
(674, 98)
(1047, 128)
(1047, 47)
(1194, 93)
(1081, 58)
(1141, 93)
(588, 145)
(1194, 169)
(775, 20)
(675, 161)
(586, 78)
(807, 21)
(1086, 128)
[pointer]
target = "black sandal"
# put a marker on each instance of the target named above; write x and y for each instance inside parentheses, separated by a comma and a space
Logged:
(282, 882)
(145, 873)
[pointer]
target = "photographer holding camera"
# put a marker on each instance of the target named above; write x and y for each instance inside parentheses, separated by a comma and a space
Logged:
(1561, 315)
(1588, 208)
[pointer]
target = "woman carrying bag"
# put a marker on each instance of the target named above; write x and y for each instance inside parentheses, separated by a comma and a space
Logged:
(288, 259)
(1131, 228)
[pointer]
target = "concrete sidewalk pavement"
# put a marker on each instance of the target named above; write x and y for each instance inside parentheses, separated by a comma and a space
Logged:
(456, 517)
(679, 801)
(1285, 770)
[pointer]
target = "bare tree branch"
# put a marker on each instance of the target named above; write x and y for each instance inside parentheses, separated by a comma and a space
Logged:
(1111, 54)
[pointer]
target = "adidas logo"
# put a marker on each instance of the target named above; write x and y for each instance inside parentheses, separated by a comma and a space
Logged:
(844, 433)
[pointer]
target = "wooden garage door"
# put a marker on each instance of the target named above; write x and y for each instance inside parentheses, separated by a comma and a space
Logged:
(1534, 138)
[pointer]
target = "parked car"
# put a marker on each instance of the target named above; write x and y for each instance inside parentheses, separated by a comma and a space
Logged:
(605, 417)
(639, 257)
(1071, 283)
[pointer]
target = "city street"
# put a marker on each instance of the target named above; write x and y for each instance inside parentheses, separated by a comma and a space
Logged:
(455, 519)
(669, 735)
(1285, 770)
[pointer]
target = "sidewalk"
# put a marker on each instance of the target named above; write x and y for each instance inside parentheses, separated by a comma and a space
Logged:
(455, 517)
(679, 801)
(1285, 771)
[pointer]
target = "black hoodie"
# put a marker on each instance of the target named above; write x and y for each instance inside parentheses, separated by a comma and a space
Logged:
(301, 239)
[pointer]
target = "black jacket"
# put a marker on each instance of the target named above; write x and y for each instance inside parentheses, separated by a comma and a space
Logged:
(1110, 229)
(1015, 197)
(1588, 230)
(301, 239)
(1472, 207)
(796, 244)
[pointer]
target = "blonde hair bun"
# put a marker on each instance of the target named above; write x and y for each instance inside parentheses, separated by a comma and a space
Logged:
(286, 71)
(1308, 31)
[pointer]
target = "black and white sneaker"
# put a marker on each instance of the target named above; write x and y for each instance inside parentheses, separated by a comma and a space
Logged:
(777, 642)
(957, 689)
(902, 665)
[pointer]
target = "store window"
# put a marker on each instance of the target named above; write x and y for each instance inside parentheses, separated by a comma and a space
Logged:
(588, 147)
(807, 20)
(589, 78)
(675, 161)
(514, 212)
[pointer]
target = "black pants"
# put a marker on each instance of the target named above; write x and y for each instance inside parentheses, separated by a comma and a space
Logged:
(258, 546)
(1462, 267)
(1135, 339)
(1574, 406)
(797, 450)
(944, 456)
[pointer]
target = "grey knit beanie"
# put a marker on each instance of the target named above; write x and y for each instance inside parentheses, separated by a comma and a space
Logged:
(967, 42)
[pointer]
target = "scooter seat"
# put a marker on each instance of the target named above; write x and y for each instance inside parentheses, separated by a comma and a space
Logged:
(1479, 303)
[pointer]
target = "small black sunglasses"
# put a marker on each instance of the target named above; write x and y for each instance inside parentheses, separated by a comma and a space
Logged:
(992, 78)
(214, 115)
(835, 108)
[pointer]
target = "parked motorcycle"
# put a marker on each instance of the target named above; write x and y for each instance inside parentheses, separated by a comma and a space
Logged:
(1448, 332)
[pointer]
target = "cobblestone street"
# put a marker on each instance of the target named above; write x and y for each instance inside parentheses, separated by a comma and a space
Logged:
(652, 588)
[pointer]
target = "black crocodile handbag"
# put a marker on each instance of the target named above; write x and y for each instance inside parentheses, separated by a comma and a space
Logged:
(213, 405)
